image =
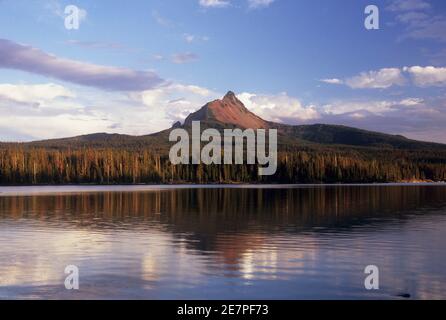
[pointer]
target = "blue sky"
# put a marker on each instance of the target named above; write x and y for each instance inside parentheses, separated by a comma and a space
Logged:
(135, 67)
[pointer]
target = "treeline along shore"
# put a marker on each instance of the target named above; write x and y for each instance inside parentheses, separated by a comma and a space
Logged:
(21, 165)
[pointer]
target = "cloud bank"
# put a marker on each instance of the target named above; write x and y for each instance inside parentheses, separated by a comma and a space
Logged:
(26, 58)
(388, 77)
(48, 110)
(380, 79)
(278, 108)
(35, 94)
(427, 76)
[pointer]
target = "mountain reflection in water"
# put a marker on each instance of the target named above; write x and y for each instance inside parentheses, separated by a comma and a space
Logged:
(290, 242)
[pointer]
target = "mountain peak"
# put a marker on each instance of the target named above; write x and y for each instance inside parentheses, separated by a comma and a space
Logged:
(229, 111)
(230, 96)
(231, 99)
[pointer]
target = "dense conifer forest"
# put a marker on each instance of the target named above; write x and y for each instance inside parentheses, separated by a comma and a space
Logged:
(38, 165)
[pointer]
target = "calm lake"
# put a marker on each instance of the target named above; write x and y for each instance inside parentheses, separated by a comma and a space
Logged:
(242, 242)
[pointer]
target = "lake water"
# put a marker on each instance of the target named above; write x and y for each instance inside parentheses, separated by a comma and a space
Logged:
(244, 242)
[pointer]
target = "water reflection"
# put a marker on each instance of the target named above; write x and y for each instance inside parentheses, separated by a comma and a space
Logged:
(305, 242)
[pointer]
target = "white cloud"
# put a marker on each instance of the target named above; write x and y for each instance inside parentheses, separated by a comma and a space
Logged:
(427, 76)
(357, 115)
(356, 109)
(36, 111)
(48, 111)
(332, 81)
(34, 94)
(214, 3)
(345, 107)
(381, 79)
(387, 77)
(278, 108)
(176, 100)
(411, 102)
(254, 4)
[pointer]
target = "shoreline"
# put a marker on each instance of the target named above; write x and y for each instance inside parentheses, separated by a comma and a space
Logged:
(27, 190)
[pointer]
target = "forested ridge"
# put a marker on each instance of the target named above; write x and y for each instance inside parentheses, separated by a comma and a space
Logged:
(37, 165)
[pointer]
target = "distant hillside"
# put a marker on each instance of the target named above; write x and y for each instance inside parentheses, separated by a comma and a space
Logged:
(342, 135)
